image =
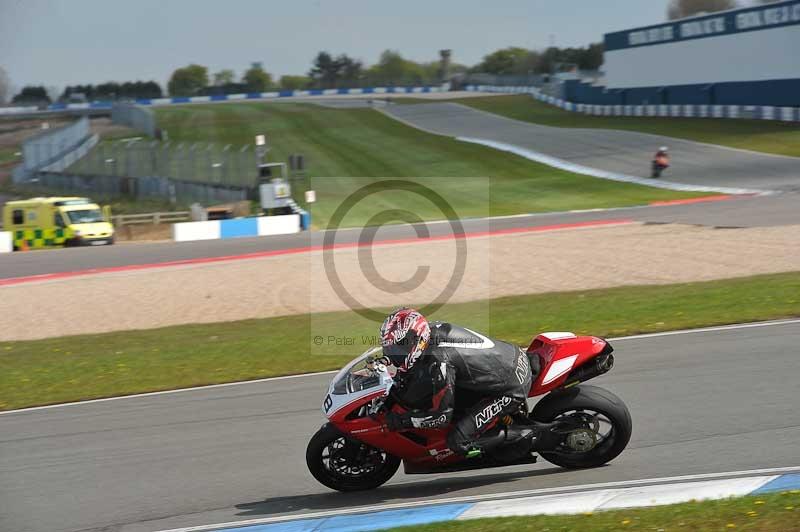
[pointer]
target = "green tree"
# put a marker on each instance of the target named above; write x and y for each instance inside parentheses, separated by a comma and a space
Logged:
(291, 83)
(324, 70)
(188, 81)
(32, 94)
(393, 69)
(349, 70)
(592, 57)
(328, 72)
(5, 86)
(504, 61)
(256, 79)
(224, 77)
(686, 8)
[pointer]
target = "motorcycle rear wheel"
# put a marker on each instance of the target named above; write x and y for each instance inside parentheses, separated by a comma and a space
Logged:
(587, 402)
(344, 464)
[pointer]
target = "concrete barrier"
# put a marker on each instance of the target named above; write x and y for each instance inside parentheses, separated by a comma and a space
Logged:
(187, 231)
(6, 242)
(236, 228)
(278, 225)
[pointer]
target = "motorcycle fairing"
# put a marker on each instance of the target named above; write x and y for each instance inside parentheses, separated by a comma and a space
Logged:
(560, 354)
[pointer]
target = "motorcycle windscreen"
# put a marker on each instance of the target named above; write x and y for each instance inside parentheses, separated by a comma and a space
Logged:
(361, 376)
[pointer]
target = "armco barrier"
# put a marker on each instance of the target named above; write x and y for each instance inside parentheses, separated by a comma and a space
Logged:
(17, 110)
(6, 242)
(785, 114)
(238, 227)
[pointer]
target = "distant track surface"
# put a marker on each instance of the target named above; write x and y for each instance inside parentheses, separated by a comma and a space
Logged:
(624, 152)
(779, 209)
(702, 402)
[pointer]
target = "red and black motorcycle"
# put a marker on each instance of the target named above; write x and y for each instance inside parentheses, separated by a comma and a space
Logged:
(575, 426)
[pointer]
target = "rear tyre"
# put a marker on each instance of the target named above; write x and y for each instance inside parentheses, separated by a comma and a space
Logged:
(605, 422)
(343, 464)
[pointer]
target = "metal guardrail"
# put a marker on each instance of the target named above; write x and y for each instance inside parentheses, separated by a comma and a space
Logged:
(151, 218)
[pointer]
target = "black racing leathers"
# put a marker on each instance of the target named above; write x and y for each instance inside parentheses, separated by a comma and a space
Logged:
(493, 376)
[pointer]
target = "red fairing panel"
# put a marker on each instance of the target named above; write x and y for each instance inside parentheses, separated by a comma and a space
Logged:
(370, 430)
(559, 354)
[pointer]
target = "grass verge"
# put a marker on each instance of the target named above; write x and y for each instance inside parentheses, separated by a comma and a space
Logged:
(91, 366)
(9, 155)
(345, 148)
(769, 136)
(764, 513)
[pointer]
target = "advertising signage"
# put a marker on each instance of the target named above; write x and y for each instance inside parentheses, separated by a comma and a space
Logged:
(724, 23)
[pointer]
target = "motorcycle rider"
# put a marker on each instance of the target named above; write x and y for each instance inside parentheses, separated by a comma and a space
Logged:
(440, 362)
(660, 161)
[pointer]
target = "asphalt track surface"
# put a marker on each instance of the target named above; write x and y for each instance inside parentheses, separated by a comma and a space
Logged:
(624, 152)
(702, 402)
(778, 209)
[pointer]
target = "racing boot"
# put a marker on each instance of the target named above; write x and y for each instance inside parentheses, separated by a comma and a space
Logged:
(491, 440)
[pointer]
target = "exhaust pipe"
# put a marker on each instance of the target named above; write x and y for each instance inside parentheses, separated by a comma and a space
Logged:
(602, 364)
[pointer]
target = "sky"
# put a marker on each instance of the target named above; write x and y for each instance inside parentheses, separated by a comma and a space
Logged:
(67, 42)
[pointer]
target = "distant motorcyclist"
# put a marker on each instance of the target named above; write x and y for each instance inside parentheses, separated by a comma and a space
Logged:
(660, 161)
(439, 361)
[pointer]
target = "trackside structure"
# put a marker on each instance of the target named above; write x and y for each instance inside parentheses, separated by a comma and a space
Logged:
(744, 56)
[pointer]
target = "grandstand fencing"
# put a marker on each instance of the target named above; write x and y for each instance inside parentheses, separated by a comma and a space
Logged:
(214, 164)
(182, 173)
(106, 187)
(54, 148)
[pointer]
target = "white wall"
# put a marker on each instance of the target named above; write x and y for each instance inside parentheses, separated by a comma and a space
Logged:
(187, 231)
(6, 242)
(278, 225)
(750, 56)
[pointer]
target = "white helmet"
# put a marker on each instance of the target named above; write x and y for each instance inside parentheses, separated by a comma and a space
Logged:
(663, 148)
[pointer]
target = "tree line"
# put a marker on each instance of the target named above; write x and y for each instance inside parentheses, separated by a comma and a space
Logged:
(111, 90)
(327, 71)
(520, 61)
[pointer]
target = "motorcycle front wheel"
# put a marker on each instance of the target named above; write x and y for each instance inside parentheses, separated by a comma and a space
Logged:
(601, 426)
(344, 464)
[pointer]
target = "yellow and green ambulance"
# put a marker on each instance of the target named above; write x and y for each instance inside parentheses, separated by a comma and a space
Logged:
(46, 222)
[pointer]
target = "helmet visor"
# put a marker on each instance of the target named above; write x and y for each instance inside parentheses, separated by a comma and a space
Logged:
(397, 353)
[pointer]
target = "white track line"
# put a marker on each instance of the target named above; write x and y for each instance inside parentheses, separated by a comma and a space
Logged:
(709, 329)
(720, 328)
(490, 496)
(167, 392)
